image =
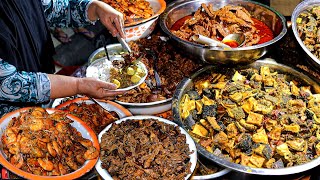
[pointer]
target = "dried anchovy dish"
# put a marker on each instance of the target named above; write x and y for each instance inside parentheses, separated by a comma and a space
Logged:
(254, 117)
(145, 149)
(308, 26)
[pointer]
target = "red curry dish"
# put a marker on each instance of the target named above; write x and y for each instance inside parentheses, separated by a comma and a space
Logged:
(222, 22)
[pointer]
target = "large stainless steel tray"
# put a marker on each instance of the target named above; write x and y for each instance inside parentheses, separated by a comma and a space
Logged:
(187, 83)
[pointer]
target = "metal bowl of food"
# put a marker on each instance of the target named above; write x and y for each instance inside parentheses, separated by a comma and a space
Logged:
(140, 17)
(306, 29)
(251, 139)
(176, 13)
(114, 50)
(173, 151)
(206, 169)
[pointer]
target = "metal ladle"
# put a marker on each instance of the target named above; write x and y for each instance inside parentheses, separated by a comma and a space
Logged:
(105, 46)
(238, 38)
(155, 68)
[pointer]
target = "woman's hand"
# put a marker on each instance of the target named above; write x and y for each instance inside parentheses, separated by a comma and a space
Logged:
(98, 89)
(64, 86)
(109, 17)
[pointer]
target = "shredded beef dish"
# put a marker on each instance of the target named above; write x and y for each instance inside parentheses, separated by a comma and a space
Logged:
(217, 24)
(145, 149)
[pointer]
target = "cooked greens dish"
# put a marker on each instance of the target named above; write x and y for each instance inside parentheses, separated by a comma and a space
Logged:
(254, 117)
(308, 26)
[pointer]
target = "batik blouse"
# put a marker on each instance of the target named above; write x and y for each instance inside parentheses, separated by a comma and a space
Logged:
(26, 47)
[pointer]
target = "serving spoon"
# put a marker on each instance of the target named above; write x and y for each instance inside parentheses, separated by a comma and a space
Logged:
(234, 40)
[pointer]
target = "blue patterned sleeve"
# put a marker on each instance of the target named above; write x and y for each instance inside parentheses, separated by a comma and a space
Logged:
(66, 13)
(23, 86)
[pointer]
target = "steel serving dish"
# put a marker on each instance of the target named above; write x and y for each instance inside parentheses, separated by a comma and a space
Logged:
(144, 27)
(193, 156)
(187, 84)
(181, 8)
(218, 174)
(304, 5)
(113, 51)
(135, 108)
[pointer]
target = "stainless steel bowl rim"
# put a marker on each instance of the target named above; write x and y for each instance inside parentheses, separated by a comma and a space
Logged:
(304, 5)
(94, 54)
(142, 22)
(237, 167)
(182, 2)
(214, 175)
(156, 103)
(149, 104)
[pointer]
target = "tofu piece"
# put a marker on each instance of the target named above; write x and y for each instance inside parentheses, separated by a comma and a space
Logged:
(244, 159)
(259, 149)
(295, 128)
(238, 77)
(236, 97)
(294, 89)
(199, 106)
(298, 144)
(247, 126)
(248, 105)
(275, 133)
(232, 130)
(263, 106)
(270, 124)
(257, 160)
(207, 101)
(200, 130)
(318, 149)
(213, 123)
(283, 150)
(260, 136)
(221, 139)
(255, 119)
(269, 163)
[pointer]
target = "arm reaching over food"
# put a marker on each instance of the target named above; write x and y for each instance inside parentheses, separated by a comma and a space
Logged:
(78, 13)
(109, 17)
(35, 87)
(63, 86)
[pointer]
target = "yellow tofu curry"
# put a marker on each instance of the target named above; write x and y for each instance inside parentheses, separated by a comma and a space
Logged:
(254, 117)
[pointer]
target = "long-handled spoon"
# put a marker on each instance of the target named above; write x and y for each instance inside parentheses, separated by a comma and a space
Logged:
(230, 41)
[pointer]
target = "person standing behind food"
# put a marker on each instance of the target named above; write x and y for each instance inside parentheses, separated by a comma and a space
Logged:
(26, 49)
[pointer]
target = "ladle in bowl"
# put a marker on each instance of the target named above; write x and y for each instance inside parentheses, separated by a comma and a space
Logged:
(230, 41)
(234, 40)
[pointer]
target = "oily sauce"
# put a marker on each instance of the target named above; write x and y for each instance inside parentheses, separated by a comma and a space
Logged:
(263, 30)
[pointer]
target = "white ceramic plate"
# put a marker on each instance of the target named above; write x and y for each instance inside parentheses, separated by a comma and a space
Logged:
(101, 64)
(193, 157)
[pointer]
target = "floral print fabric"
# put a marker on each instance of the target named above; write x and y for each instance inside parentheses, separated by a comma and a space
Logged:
(20, 88)
(66, 13)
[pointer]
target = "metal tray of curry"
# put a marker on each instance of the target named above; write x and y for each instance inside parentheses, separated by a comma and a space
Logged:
(261, 118)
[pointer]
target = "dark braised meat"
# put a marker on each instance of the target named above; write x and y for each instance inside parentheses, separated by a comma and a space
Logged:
(172, 68)
(93, 115)
(145, 149)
